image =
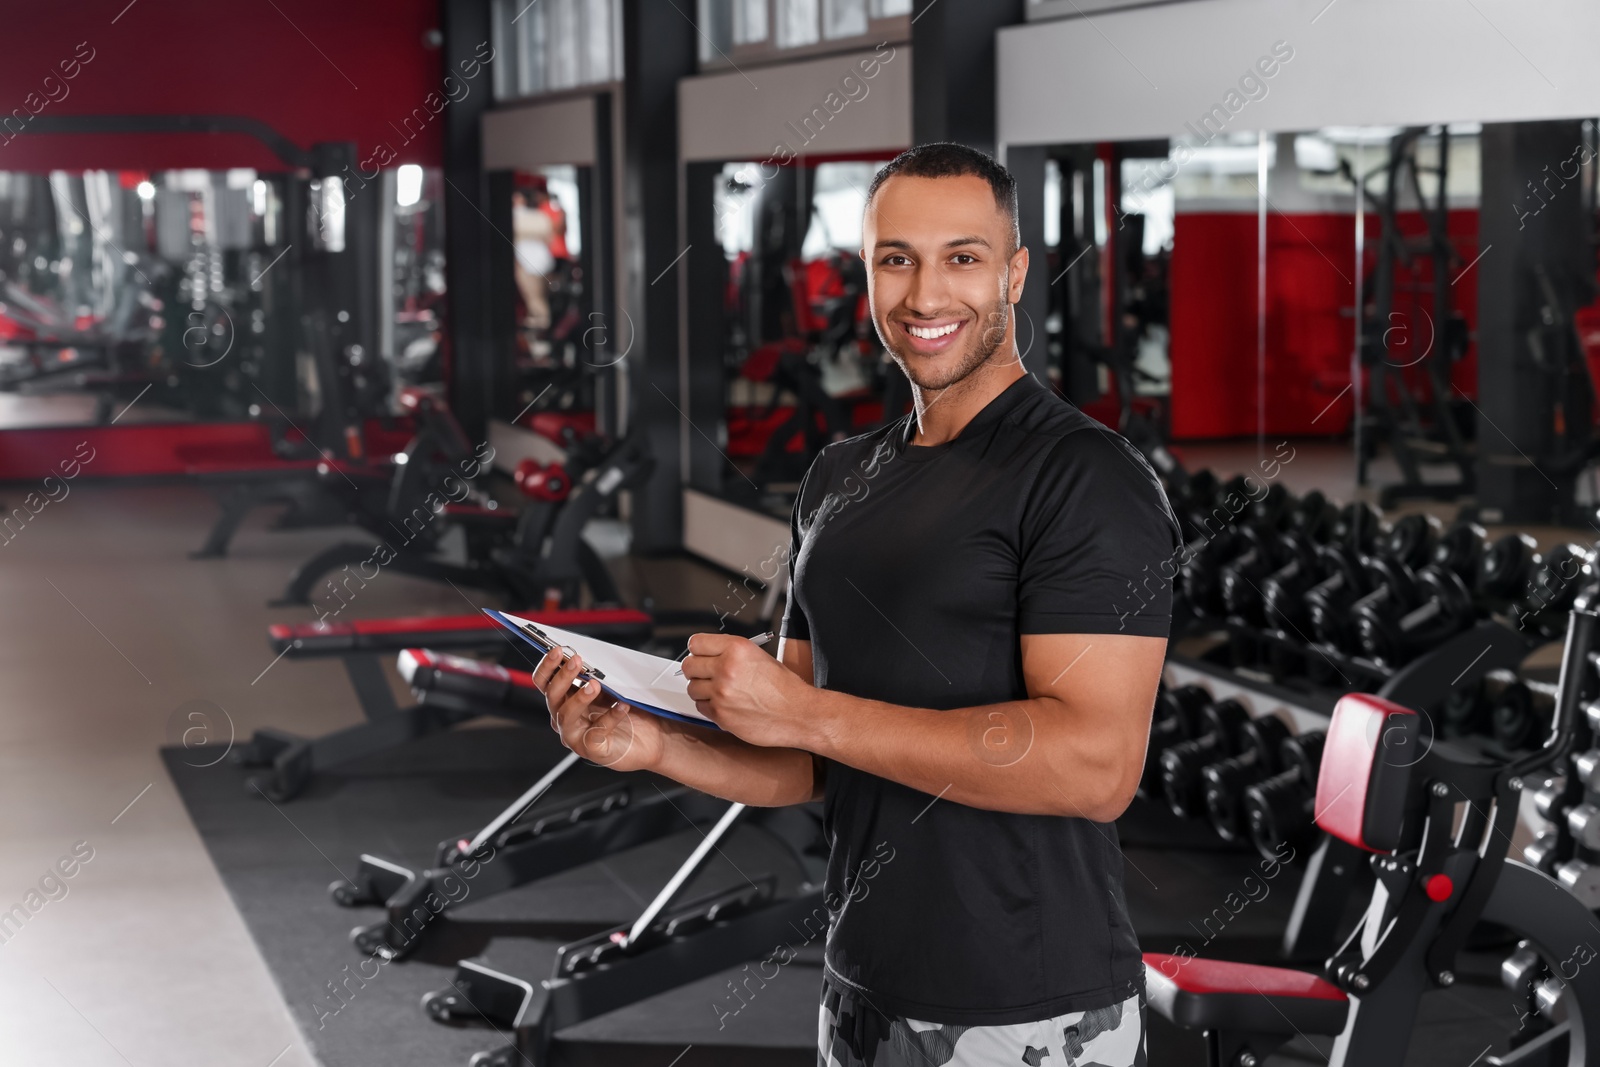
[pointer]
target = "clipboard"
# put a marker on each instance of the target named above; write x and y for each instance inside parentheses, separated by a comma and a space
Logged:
(649, 683)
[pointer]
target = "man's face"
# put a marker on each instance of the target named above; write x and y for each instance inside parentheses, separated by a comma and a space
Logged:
(941, 276)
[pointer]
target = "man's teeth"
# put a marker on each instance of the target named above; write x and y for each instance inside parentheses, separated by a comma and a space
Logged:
(929, 335)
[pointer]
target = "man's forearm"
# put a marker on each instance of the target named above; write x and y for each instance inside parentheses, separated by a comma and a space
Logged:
(720, 764)
(1022, 756)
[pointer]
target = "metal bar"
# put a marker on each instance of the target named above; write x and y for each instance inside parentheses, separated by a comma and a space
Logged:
(520, 805)
(690, 865)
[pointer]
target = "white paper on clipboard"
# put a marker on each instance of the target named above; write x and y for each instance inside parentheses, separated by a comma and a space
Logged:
(649, 683)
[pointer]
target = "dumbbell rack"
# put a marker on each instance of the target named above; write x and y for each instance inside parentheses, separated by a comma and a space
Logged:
(1569, 804)
(1335, 871)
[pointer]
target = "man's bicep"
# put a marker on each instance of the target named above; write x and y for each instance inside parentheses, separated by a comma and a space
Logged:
(1107, 672)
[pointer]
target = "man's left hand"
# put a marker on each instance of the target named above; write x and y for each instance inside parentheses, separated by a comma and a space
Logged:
(745, 691)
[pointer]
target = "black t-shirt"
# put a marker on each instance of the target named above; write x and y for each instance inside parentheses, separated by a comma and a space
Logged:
(914, 571)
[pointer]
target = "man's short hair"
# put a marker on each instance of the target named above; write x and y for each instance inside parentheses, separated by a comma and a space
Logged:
(946, 159)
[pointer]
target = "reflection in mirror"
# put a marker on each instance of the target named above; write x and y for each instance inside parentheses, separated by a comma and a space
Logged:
(802, 362)
(206, 295)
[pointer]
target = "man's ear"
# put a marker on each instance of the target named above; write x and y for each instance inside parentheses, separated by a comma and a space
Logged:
(1019, 273)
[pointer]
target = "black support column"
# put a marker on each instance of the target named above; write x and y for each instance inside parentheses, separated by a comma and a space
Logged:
(477, 337)
(658, 48)
(1533, 223)
(953, 69)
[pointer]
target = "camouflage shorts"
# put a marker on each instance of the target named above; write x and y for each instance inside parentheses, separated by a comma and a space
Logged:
(851, 1033)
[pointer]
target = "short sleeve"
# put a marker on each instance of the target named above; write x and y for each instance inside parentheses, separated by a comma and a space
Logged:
(795, 624)
(1099, 542)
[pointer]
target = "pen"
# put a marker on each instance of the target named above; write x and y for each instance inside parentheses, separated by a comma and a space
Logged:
(759, 640)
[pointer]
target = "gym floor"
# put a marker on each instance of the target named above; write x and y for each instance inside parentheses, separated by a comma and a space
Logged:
(145, 959)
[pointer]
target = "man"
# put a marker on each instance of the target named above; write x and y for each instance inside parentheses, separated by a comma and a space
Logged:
(961, 687)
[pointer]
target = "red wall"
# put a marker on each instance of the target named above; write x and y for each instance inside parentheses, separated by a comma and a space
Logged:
(315, 70)
(1310, 320)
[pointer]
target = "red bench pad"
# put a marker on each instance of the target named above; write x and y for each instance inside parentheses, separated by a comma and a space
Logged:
(1365, 778)
(487, 684)
(308, 639)
(1203, 994)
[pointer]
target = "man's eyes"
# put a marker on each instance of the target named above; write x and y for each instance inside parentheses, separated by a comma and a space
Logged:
(959, 259)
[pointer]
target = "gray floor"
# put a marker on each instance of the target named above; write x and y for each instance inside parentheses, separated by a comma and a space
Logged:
(108, 630)
(108, 635)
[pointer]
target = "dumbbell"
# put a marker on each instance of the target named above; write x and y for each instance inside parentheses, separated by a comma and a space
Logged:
(1586, 765)
(1200, 574)
(1314, 517)
(1460, 548)
(1283, 593)
(1244, 579)
(1225, 781)
(1176, 718)
(1271, 510)
(1358, 527)
(1517, 708)
(1281, 810)
(1583, 821)
(1543, 852)
(1194, 502)
(1504, 568)
(1411, 540)
(1393, 592)
(1445, 609)
(1523, 970)
(1554, 579)
(1582, 880)
(1328, 602)
(1181, 764)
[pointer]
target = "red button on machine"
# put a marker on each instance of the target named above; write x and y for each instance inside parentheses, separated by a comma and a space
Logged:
(1439, 888)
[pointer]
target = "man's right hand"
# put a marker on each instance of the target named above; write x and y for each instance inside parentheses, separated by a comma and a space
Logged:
(594, 725)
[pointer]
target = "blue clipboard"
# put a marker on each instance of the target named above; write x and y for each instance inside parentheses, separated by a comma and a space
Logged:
(539, 638)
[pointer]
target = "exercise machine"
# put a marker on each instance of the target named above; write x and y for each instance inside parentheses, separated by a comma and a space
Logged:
(1382, 792)
(362, 645)
(537, 557)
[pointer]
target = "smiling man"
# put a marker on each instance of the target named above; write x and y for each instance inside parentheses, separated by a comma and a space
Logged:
(956, 681)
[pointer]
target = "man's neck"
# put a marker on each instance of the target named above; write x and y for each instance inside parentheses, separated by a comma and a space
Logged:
(941, 416)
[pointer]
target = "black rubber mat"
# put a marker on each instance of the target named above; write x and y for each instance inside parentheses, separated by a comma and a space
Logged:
(278, 860)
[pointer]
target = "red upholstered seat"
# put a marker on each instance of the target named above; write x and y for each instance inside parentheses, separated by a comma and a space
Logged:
(1206, 994)
(443, 631)
(488, 685)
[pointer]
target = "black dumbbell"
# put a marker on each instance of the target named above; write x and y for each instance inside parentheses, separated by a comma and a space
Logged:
(1445, 608)
(1411, 539)
(1554, 579)
(1200, 572)
(1393, 592)
(1281, 810)
(1328, 603)
(1176, 718)
(1271, 510)
(1182, 763)
(1195, 503)
(1225, 781)
(1504, 568)
(1517, 709)
(1358, 527)
(1315, 517)
(1460, 548)
(1244, 579)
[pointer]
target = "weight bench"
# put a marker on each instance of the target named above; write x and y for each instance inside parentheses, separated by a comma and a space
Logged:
(670, 944)
(524, 842)
(362, 644)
